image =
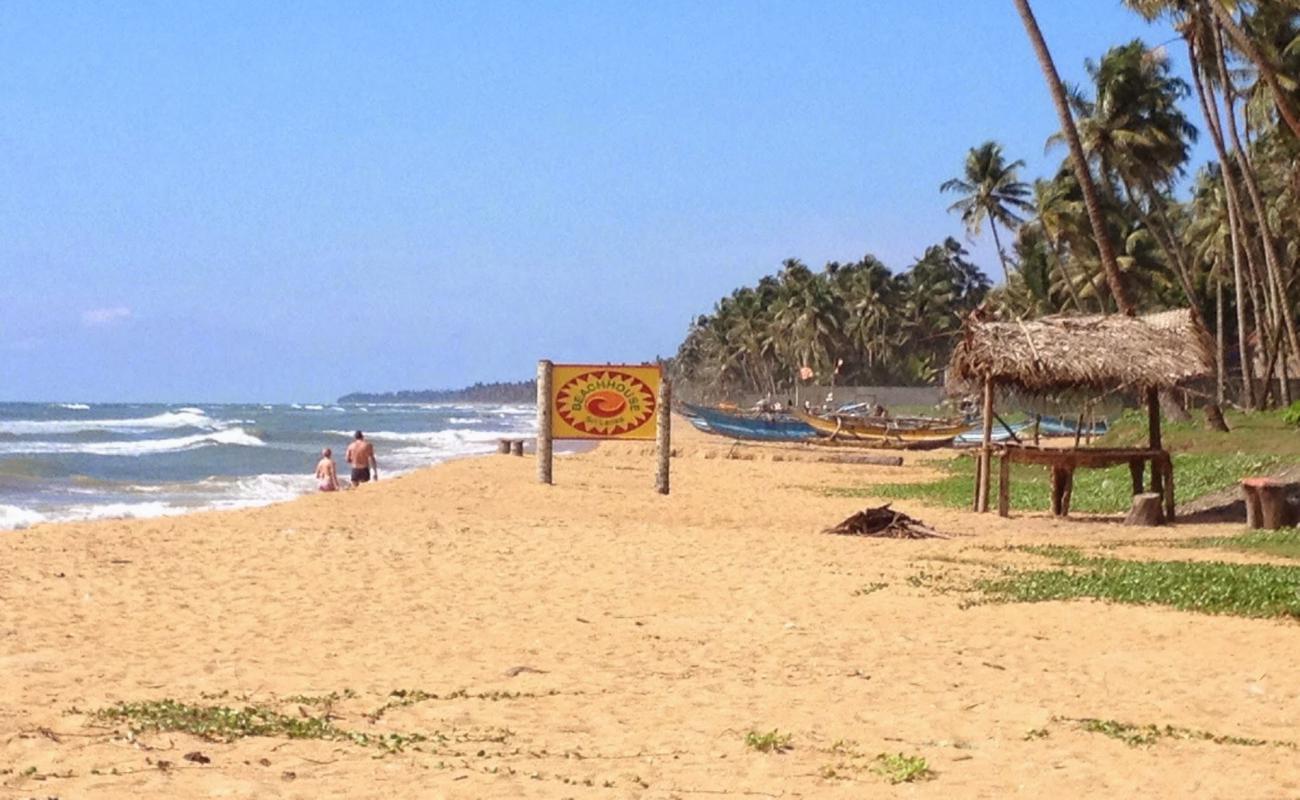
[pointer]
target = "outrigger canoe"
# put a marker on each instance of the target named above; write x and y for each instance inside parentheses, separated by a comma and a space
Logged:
(912, 434)
(760, 427)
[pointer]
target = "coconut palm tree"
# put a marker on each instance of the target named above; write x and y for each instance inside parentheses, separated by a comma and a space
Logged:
(1138, 135)
(991, 190)
(1105, 248)
(1263, 60)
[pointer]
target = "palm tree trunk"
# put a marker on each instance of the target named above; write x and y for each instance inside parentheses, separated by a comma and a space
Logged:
(1266, 69)
(1065, 273)
(1167, 241)
(1220, 354)
(1210, 110)
(1271, 261)
(1114, 279)
(1002, 257)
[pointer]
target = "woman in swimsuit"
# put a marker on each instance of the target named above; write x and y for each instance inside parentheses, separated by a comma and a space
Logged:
(327, 477)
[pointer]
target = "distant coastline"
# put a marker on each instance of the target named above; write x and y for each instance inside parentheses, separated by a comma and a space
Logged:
(501, 392)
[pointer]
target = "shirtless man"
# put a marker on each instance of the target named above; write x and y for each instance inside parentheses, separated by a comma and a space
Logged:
(361, 455)
(327, 477)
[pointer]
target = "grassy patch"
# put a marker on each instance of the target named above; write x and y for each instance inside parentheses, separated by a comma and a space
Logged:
(1144, 735)
(1096, 491)
(1283, 543)
(899, 768)
(226, 724)
(771, 742)
(869, 589)
(1266, 433)
(1247, 590)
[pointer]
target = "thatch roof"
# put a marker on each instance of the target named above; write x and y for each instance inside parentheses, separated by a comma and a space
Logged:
(1092, 353)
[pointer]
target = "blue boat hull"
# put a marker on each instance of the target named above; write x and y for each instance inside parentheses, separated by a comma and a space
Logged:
(763, 428)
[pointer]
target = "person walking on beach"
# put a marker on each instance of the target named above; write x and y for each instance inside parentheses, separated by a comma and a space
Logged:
(327, 477)
(361, 455)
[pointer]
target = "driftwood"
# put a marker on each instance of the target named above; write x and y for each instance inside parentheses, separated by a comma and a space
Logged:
(874, 460)
(884, 522)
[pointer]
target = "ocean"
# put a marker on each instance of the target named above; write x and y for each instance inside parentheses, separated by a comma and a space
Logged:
(74, 461)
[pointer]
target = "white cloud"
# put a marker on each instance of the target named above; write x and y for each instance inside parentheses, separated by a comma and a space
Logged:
(104, 316)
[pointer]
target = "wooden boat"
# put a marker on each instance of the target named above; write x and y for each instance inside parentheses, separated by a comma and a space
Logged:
(885, 432)
(759, 427)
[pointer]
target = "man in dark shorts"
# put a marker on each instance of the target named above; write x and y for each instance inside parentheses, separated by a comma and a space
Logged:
(361, 455)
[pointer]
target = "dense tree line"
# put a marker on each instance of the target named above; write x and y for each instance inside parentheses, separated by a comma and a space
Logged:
(1106, 232)
(500, 392)
(855, 323)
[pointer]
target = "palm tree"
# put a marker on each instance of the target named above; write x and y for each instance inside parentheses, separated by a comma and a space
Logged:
(1263, 62)
(1052, 207)
(1137, 133)
(991, 191)
(1104, 247)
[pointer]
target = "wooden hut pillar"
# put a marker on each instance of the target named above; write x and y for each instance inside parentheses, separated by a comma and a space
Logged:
(985, 468)
(1153, 434)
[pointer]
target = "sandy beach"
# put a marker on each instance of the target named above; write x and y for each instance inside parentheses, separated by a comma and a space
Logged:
(594, 639)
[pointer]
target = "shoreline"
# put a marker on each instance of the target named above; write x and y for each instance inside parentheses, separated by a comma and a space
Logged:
(226, 505)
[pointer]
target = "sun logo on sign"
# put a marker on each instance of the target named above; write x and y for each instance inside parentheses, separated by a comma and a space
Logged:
(605, 402)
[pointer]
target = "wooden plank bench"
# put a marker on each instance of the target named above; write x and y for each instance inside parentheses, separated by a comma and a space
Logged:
(1064, 461)
(1268, 503)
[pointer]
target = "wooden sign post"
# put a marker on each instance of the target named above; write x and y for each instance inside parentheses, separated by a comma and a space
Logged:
(664, 436)
(595, 402)
(544, 421)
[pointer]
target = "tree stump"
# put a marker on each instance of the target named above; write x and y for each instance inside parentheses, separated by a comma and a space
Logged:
(1214, 418)
(503, 446)
(1266, 503)
(1146, 510)
(517, 446)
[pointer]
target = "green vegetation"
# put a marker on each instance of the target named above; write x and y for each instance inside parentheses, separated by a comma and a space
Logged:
(1283, 543)
(1114, 226)
(899, 768)
(225, 724)
(1291, 416)
(869, 589)
(1096, 491)
(1247, 590)
(771, 742)
(1144, 735)
(1263, 433)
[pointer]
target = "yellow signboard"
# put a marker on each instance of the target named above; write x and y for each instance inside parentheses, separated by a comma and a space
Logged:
(614, 401)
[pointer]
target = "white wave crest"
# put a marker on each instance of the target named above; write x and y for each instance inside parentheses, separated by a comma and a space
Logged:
(15, 518)
(447, 437)
(184, 418)
(73, 406)
(142, 447)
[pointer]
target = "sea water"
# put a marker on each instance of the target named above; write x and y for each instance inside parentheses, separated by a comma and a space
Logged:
(69, 461)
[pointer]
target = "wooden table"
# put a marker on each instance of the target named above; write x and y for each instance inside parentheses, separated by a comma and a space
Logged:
(1064, 461)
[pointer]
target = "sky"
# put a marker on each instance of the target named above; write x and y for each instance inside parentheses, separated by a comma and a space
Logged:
(287, 201)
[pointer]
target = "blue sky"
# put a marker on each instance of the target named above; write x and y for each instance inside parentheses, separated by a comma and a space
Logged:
(289, 201)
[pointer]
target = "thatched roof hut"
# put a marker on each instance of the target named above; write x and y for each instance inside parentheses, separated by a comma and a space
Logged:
(1092, 353)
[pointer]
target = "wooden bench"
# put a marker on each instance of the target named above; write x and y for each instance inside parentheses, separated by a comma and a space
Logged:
(508, 446)
(1064, 461)
(1268, 503)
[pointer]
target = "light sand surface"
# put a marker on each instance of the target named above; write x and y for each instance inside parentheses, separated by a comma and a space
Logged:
(661, 631)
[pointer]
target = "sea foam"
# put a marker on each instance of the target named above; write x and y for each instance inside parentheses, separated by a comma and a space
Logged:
(184, 418)
(140, 447)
